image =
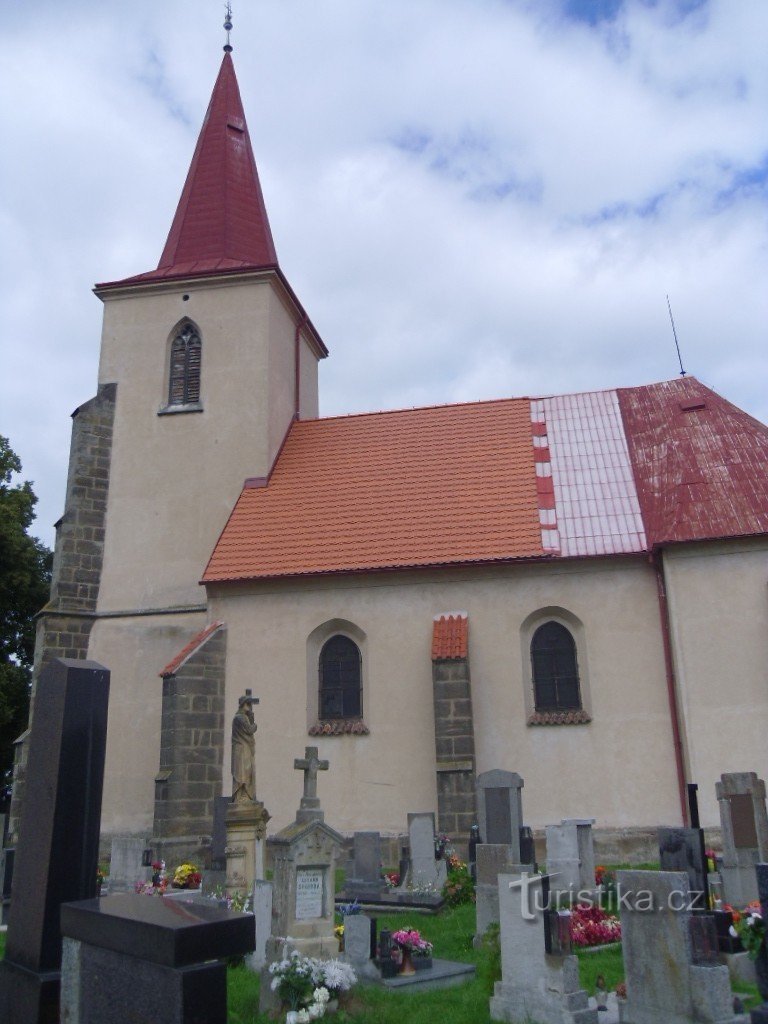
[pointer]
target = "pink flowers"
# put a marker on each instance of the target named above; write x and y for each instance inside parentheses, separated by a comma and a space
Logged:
(593, 926)
(410, 938)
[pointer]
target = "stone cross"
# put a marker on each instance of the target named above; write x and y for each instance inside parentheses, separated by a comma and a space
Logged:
(310, 764)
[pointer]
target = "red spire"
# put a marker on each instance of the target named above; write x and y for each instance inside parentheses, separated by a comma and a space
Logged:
(221, 222)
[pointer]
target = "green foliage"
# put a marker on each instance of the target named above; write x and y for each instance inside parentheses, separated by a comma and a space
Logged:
(25, 573)
(459, 887)
(489, 968)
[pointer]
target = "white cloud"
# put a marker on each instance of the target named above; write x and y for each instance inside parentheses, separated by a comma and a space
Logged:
(471, 199)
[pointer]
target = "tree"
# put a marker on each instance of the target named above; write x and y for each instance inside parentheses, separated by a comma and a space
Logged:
(25, 579)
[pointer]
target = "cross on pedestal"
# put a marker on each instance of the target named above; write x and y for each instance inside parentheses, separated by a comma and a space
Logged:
(310, 764)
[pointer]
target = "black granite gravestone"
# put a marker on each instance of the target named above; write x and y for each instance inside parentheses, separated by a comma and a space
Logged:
(57, 853)
(149, 959)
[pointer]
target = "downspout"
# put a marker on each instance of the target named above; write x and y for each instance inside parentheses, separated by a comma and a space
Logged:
(297, 367)
(674, 714)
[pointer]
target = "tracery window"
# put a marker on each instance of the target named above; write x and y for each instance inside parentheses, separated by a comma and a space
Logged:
(340, 672)
(184, 375)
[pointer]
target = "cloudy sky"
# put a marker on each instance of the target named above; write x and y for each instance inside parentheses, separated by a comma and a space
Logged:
(472, 198)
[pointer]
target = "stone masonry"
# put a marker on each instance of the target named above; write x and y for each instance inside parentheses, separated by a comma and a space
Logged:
(64, 625)
(454, 729)
(191, 749)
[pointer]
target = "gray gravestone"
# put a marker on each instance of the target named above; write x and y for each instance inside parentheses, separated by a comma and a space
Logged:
(58, 850)
(744, 822)
(500, 808)
(125, 867)
(571, 855)
(262, 913)
(357, 946)
(681, 849)
(137, 958)
(426, 872)
(364, 876)
(664, 981)
(534, 986)
(492, 858)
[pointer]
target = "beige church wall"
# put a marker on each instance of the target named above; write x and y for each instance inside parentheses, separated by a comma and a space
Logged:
(135, 650)
(282, 374)
(165, 512)
(619, 768)
(308, 382)
(718, 597)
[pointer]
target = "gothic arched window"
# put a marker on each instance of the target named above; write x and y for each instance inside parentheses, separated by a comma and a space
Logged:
(184, 375)
(340, 678)
(555, 669)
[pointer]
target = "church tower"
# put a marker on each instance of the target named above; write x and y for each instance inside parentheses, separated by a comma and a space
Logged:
(205, 363)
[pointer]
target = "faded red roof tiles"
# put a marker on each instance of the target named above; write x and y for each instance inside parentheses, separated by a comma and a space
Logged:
(440, 486)
(700, 464)
(450, 638)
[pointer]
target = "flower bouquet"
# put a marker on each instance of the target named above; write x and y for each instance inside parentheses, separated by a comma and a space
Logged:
(750, 928)
(186, 876)
(308, 985)
(411, 944)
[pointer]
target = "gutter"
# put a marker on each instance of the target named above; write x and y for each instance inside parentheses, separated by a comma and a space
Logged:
(674, 713)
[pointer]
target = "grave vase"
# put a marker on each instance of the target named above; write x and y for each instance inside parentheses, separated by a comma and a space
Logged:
(406, 965)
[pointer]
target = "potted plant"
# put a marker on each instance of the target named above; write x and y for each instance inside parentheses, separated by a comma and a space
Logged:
(186, 876)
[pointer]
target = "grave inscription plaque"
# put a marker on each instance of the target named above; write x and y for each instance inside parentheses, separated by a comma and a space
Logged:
(309, 893)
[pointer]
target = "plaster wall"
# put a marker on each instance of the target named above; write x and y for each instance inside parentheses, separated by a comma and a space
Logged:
(135, 649)
(619, 768)
(174, 478)
(718, 597)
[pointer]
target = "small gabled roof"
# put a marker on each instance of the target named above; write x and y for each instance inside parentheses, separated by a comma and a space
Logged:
(190, 649)
(617, 472)
(221, 222)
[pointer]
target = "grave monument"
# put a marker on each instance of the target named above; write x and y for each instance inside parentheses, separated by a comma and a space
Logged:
(671, 961)
(571, 855)
(500, 808)
(741, 796)
(536, 985)
(58, 848)
(304, 857)
(426, 871)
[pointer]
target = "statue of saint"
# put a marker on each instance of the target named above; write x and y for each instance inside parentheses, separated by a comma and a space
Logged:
(243, 750)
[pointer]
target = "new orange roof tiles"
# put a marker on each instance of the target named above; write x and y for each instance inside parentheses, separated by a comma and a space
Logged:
(440, 486)
(450, 638)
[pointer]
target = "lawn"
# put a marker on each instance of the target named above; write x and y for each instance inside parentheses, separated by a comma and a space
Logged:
(451, 933)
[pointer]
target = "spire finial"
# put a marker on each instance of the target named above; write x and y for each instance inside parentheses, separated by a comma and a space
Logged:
(228, 27)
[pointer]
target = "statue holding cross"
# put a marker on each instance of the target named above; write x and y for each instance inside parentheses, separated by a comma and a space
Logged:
(310, 764)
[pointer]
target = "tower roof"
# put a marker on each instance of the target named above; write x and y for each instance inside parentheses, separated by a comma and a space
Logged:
(221, 222)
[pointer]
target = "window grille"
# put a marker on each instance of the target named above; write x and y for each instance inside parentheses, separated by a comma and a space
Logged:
(340, 679)
(555, 669)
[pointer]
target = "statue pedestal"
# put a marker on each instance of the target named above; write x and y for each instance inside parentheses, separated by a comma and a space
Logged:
(246, 823)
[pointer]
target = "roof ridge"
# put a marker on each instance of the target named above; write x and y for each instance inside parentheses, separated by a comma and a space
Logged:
(489, 401)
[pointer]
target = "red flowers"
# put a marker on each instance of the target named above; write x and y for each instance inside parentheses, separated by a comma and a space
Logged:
(593, 926)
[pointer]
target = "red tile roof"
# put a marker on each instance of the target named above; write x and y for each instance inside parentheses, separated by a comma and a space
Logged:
(450, 638)
(700, 464)
(221, 222)
(455, 485)
(189, 649)
(438, 486)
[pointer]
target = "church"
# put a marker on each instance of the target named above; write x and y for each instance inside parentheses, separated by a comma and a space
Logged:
(571, 587)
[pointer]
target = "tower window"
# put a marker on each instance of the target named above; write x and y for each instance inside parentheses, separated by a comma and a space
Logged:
(184, 376)
(554, 668)
(340, 679)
